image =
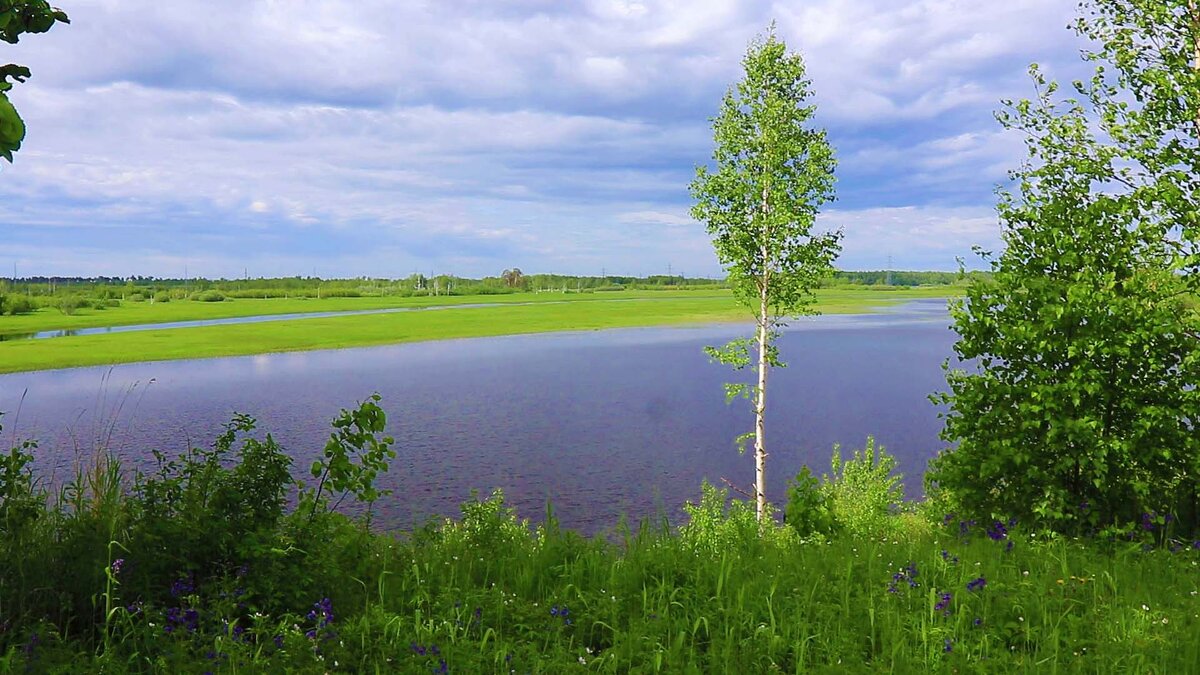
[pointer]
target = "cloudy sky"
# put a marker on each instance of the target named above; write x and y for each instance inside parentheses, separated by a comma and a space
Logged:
(371, 137)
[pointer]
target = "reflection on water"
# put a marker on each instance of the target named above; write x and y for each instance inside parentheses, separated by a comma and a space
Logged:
(603, 423)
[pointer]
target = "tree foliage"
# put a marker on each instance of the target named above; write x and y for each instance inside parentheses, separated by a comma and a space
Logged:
(773, 173)
(513, 278)
(18, 17)
(1081, 413)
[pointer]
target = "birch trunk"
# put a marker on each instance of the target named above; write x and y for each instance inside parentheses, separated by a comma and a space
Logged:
(760, 406)
(760, 400)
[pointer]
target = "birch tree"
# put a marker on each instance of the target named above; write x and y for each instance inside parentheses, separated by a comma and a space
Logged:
(773, 171)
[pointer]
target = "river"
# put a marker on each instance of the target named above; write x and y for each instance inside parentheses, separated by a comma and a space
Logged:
(601, 423)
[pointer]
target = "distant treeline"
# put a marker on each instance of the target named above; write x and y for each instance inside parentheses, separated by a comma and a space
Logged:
(25, 294)
(901, 278)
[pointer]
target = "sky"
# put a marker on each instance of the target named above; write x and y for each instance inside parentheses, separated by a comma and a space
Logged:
(223, 138)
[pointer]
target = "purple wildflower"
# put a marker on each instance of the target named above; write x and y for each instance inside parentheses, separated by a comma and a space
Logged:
(183, 586)
(948, 646)
(322, 612)
(116, 566)
(907, 574)
(998, 531)
(943, 603)
(976, 584)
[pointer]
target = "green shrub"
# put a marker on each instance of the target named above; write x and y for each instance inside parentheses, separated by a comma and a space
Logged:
(136, 297)
(69, 304)
(809, 510)
(162, 296)
(207, 296)
(718, 525)
(20, 305)
(862, 492)
(487, 526)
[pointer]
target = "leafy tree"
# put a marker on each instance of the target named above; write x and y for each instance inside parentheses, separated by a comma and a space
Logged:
(513, 278)
(16, 18)
(1081, 414)
(773, 173)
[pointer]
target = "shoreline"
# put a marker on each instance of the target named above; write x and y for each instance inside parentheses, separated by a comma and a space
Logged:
(346, 331)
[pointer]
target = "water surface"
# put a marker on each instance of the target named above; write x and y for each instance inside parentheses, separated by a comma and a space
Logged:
(603, 423)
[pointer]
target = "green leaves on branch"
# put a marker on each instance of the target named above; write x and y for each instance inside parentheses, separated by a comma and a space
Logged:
(12, 128)
(1081, 415)
(18, 17)
(27, 16)
(354, 456)
(773, 173)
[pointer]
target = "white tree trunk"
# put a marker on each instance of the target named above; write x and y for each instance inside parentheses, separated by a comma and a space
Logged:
(760, 399)
(760, 406)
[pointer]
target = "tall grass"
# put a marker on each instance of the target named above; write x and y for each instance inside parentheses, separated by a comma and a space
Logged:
(199, 568)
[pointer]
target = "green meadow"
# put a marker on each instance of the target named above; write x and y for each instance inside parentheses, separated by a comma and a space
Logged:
(512, 314)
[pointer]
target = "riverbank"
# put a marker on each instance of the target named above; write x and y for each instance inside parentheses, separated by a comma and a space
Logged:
(488, 593)
(512, 314)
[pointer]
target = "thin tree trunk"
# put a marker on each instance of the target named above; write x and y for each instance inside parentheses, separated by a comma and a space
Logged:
(760, 400)
(760, 406)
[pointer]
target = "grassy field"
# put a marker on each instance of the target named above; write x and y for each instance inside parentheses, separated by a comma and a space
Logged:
(488, 594)
(517, 313)
(130, 313)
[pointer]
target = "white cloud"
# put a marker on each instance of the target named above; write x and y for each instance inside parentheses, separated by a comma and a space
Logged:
(934, 236)
(526, 132)
(651, 217)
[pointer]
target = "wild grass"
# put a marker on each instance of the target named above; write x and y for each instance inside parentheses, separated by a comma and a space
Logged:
(200, 568)
(578, 312)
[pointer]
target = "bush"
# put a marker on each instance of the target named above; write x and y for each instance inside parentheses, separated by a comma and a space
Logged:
(862, 492)
(808, 510)
(136, 297)
(162, 296)
(720, 525)
(859, 497)
(20, 306)
(207, 296)
(69, 304)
